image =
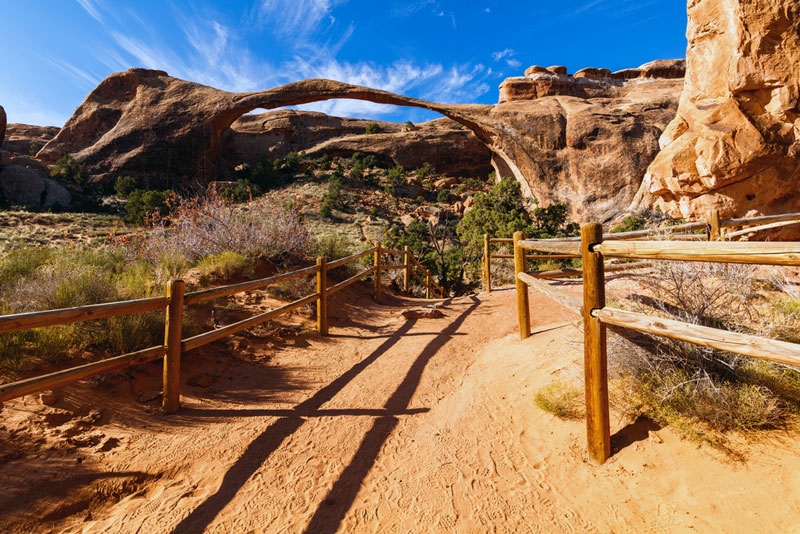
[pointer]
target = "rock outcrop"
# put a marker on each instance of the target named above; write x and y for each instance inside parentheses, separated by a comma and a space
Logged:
(23, 180)
(589, 150)
(27, 139)
(735, 142)
(2, 125)
(449, 147)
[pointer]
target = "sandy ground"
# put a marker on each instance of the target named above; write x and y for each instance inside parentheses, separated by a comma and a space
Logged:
(387, 425)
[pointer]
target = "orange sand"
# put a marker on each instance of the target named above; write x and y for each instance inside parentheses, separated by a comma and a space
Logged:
(386, 426)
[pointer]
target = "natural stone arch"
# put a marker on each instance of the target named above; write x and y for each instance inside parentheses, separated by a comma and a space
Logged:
(475, 117)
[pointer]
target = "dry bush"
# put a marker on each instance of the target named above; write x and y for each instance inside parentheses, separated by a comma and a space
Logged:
(679, 382)
(268, 227)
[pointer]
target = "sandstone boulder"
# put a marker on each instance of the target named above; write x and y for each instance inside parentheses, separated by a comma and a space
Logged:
(535, 69)
(735, 142)
(2, 125)
(445, 183)
(557, 69)
(26, 187)
(591, 72)
(21, 185)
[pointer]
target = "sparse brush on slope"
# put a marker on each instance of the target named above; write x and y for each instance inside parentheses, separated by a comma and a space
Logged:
(710, 390)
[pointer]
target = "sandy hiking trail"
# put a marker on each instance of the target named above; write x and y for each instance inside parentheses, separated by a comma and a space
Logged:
(387, 425)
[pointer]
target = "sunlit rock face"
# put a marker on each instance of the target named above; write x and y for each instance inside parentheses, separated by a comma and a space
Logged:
(735, 141)
(586, 139)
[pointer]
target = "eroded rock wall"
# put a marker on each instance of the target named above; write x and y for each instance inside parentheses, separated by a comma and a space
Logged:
(448, 146)
(735, 142)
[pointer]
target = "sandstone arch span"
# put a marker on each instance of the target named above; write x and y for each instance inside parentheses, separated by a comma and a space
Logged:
(147, 123)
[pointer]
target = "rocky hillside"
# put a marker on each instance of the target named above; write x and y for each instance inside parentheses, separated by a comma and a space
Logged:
(448, 146)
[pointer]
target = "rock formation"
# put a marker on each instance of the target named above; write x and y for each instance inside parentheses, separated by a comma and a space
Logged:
(2, 125)
(588, 146)
(24, 180)
(735, 142)
(586, 139)
(27, 139)
(452, 149)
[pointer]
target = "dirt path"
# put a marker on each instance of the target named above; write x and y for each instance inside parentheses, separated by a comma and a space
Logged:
(391, 425)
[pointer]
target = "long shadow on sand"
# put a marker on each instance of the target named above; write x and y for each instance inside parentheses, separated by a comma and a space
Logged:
(332, 509)
(268, 441)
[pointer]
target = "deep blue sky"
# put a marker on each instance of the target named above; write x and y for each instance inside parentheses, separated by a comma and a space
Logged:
(56, 51)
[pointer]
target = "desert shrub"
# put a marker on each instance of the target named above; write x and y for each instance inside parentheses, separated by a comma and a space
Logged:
(629, 224)
(124, 186)
(372, 128)
(443, 196)
(223, 266)
(419, 200)
(69, 169)
(243, 191)
(373, 211)
(424, 171)
(33, 149)
(678, 382)
(334, 246)
(42, 278)
(561, 399)
(143, 204)
(267, 227)
(500, 213)
(357, 171)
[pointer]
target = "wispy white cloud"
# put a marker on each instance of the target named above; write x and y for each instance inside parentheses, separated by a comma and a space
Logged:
(92, 7)
(214, 54)
(507, 56)
(83, 77)
(298, 18)
(24, 110)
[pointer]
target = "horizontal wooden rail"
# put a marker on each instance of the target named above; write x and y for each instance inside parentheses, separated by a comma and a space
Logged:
(25, 321)
(558, 247)
(218, 292)
(752, 229)
(208, 337)
(501, 240)
(536, 256)
(391, 252)
(392, 267)
(785, 253)
(68, 376)
(764, 219)
(353, 279)
(348, 259)
(749, 345)
(567, 300)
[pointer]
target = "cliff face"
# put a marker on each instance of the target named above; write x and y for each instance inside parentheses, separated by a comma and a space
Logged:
(585, 139)
(448, 146)
(27, 138)
(735, 142)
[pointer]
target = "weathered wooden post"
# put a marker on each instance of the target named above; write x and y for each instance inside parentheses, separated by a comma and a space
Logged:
(322, 290)
(594, 345)
(523, 311)
(378, 272)
(428, 285)
(171, 399)
(713, 225)
(407, 268)
(487, 264)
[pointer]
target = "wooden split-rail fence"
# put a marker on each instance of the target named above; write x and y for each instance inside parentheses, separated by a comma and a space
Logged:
(174, 303)
(593, 247)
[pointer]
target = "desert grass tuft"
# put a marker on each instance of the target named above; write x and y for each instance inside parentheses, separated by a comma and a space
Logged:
(562, 400)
